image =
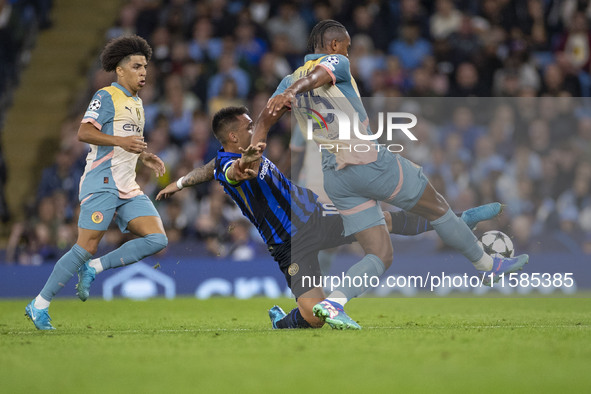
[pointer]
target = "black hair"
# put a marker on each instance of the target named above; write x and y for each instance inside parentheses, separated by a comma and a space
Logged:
(121, 47)
(316, 38)
(223, 119)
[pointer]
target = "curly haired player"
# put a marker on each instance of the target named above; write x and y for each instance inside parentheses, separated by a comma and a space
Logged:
(113, 126)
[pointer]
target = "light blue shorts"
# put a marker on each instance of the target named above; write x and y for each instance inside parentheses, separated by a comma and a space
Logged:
(355, 190)
(97, 211)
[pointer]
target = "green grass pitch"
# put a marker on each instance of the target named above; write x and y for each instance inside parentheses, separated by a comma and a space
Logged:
(423, 345)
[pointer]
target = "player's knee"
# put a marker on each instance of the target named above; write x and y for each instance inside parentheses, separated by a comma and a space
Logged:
(387, 255)
(90, 247)
(383, 251)
(440, 209)
(156, 242)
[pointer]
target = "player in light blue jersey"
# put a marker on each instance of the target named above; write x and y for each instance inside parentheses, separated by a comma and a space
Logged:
(355, 182)
(113, 126)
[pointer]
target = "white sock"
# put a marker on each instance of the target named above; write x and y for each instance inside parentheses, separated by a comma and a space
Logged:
(41, 303)
(98, 267)
(338, 297)
(484, 264)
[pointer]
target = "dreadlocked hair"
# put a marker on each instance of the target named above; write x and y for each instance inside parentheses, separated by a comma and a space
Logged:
(316, 39)
(121, 47)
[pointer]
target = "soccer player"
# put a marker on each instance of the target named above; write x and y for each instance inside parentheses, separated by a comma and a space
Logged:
(289, 218)
(113, 125)
(356, 182)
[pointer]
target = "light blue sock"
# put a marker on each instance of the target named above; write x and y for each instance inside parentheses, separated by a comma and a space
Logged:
(454, 232)
(134, 250)
(63, 270)
(353, 280)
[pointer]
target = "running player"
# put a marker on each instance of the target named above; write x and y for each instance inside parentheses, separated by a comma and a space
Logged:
(356, 182)
(113, 125)
(293, 224)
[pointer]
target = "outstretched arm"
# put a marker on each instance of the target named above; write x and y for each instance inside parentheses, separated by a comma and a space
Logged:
(318, 77)
(263, 124)
(198, 175)
(278, 105)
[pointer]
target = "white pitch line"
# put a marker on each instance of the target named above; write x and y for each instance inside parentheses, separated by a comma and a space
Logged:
(90, 331)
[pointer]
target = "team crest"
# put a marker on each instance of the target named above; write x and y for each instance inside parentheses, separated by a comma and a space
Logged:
(293, 269)
(97, 217)
(332, 60)
(94, 105)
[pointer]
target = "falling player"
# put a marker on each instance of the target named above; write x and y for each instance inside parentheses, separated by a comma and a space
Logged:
(289, 218)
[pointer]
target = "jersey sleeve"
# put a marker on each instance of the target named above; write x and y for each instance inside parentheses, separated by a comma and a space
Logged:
(338, 67)
(284, 84)
(223, 164)
(100, 110)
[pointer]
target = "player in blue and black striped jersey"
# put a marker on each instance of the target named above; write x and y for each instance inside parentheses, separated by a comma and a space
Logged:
(277, 207)
(294, 225)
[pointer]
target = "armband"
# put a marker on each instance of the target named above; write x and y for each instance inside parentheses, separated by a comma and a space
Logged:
(231, 182)
(179, 183)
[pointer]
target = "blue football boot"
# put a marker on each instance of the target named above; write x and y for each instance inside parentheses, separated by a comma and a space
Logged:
(276, 314)
(86, 275)
(475, 215)
(39, 317)
(503, 265)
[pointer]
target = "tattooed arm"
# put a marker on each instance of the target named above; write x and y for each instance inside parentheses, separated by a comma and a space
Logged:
(198, 175)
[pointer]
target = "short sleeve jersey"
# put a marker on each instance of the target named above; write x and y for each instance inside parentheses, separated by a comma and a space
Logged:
(342, 95)
(276, 206)
(114, 111)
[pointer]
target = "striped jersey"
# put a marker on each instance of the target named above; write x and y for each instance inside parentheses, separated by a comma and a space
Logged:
(114, 111)
(314, 116)
(272, 203)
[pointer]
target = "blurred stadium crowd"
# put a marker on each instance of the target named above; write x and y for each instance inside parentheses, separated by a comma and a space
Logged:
(211, 54)
(20, 20)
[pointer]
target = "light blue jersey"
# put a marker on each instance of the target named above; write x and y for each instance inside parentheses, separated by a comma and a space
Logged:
(334, 117)
(342, 95)
(114, 111)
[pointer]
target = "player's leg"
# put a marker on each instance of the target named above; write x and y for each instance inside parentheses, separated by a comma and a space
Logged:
(302, 316)
(299, 264)
(363, 217)
(139, 217)
(377, 246)
(152, 239)
(415, 194)
(95, 215)
(452, 230)
(407, 223)
(305, 304)
(325, 259)
(410, 190)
